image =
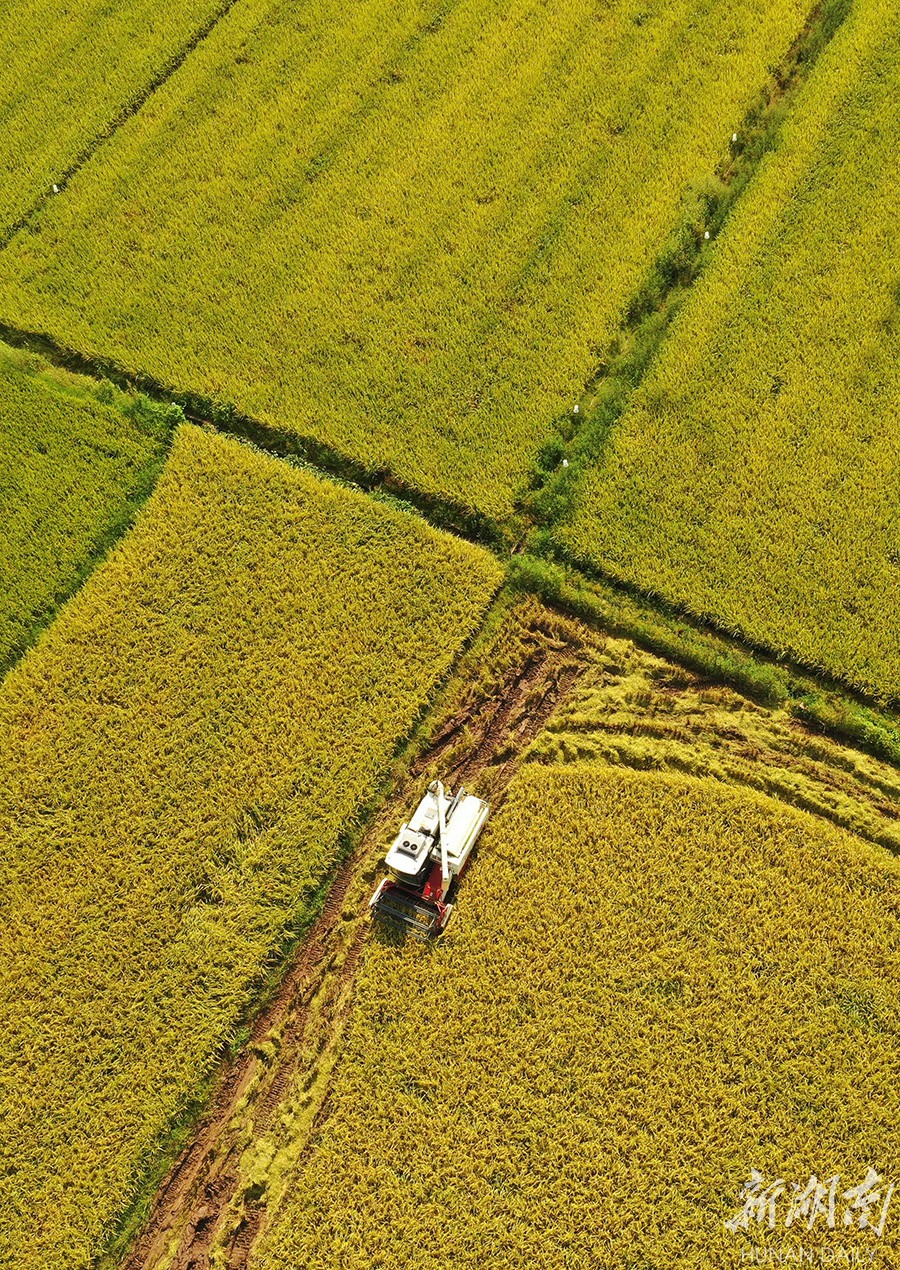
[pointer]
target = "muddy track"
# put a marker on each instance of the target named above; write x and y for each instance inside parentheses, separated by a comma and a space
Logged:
(272, 1099)
(190, 1203)
(206, 1207)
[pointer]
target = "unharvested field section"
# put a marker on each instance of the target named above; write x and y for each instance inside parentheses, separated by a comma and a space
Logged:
(68, 72)
(407, 231)
(755, 477)
(181, 757)
(654, 984)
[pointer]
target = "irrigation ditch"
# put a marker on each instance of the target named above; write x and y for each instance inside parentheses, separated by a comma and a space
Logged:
(581, 436)
(831, 704)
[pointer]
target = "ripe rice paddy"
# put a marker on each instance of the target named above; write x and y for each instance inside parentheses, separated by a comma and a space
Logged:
(655, 985)
(182, 757)
(75, 463)
(755, 477)
(401, 231)
(68, 73)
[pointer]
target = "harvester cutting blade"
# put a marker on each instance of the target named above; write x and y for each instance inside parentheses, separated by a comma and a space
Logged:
(408, 912)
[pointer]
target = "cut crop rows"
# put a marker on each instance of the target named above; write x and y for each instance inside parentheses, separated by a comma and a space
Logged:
(656, 984)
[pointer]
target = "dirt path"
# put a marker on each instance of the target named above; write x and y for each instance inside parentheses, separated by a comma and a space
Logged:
(210, 1207)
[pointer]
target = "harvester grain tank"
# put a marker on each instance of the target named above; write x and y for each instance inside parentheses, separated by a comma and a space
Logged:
(426, 858)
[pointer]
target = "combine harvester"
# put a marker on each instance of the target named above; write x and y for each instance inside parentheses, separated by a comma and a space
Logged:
(427, 856)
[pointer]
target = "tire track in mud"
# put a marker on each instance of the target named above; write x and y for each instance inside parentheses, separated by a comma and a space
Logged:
(206, 1208)
(275, 1095)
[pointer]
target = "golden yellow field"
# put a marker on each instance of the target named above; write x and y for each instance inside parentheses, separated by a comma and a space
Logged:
(69, 73)
(654, 985)
(755, 477)
(406, 229)
(181, 759)
(288, 288)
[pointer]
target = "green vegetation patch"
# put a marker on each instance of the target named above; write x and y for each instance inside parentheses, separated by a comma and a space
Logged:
(76, 461)
(653, 985)
(405, 232)
(181, 759)
(755, 477)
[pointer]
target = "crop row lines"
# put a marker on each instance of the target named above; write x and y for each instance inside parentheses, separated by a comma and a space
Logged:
(106, 134)
(682, 260)
(643, 331)
(538, 566)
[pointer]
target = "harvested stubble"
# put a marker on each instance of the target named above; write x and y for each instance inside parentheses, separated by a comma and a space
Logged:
(180, 757)
(637, 710)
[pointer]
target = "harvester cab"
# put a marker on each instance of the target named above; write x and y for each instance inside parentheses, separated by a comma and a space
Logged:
(427, 856)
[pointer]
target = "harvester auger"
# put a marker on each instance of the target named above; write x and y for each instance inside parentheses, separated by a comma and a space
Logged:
(427, 856)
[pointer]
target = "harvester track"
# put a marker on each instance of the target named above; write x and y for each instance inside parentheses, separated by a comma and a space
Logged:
(632, 708)
(211, 1206)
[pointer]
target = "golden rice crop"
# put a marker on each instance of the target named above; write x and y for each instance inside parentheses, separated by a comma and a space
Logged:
(756, 476)
(72, 469)
(68, 72)
(180, 756)
(402, 229)
(654, 985)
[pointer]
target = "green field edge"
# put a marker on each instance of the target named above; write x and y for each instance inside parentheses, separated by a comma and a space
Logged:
(324, 460)
(172, 1140)
(543, 567)
(118, 120)
(820, 702)
(579, 438)
(563, 583)
(156, 418)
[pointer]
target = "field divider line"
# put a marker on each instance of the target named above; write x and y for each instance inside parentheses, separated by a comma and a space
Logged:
(323, 460)
(117, 121)
(540, 566)
(581, 436)
(530, 528)
(273, 1096)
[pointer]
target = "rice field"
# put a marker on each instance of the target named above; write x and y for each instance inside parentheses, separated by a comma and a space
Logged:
(400, 238)
(181, 758)
(405, 231)
(68, 73)
(73, 470)
(755, 477)
(654, 985)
